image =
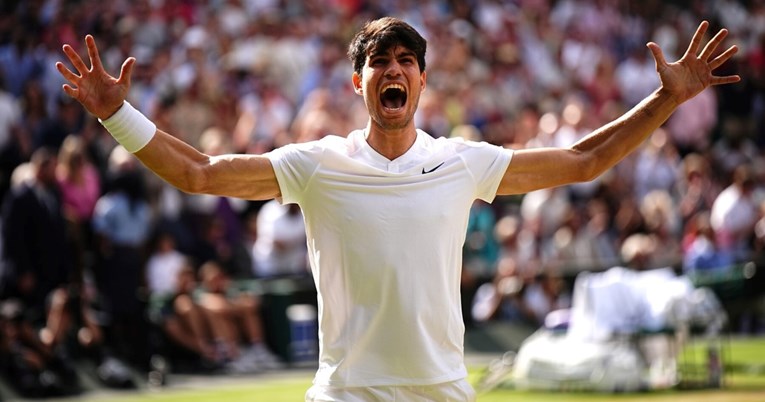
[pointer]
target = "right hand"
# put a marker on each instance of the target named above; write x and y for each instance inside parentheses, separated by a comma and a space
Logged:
(100, 93)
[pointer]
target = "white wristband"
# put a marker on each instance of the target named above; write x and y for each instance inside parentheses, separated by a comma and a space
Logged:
(130, 128)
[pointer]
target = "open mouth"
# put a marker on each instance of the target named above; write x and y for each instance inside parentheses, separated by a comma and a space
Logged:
(393, 96)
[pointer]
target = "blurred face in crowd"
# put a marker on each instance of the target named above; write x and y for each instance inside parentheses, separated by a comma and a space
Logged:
(213, 277)
(186, 280)
(44, 162)
(47, 172)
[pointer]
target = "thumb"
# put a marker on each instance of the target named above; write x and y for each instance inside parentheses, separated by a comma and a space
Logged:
(658, 55)
(69, 90)
(126, 72)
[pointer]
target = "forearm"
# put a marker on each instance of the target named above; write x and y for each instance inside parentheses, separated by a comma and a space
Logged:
(171, 159)
(175, 161)
(181, 165)
(608, 145)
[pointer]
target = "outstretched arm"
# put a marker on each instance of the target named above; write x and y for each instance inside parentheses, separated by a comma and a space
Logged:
(102, 95)
(533, 169)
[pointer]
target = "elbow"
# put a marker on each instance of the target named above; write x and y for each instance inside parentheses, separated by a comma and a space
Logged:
(589, 169)
(195, 185)
(191, 187)
(194, 181)
(588, 174)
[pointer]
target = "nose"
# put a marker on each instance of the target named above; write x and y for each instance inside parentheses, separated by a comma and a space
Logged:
(393, 70)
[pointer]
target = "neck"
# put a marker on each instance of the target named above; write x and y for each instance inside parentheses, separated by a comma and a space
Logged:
(390, 143)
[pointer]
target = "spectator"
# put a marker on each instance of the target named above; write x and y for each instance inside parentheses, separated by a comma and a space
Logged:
(80, 187)
(656, 166)
(758, 302)
(600, 234)
(628, 219)
(18, 59)
(756, 64)
(636, 76)
(193, 114)
(547, 208)
(501, 299)
(38, 266)
(318, 116)
(171, 280)
(696, 186)
(212, 245)
(734, 149)
(572, 247)
(66, 120)
(734, 214)
(10, 135)
(702, 252)
(690, 128)
(36, 253)
(121, 223)
(264, 119)
(22, 359)
(663, 223)
(479, 254)
(280, 246)
(518, 243)
(216, 221)
(36, 120)
(235, 321)
(602, 89)
(544, 295)
(163, 265)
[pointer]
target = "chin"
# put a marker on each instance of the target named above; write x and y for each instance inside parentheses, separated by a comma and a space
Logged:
(393, 124)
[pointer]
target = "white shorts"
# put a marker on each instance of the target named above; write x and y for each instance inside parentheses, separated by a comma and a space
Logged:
(454, 391)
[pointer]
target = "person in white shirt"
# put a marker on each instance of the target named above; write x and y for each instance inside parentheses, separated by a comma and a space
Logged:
(386, 207)
(734, 213)
(164, 264)
(280, 245)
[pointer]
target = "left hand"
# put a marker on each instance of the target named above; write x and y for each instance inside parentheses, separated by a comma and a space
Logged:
(692, 74)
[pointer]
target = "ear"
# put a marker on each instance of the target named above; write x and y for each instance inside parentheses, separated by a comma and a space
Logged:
(356, 79)
(423, 80)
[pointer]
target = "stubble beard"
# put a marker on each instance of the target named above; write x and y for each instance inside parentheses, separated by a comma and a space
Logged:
(394, 124)
(388, 124)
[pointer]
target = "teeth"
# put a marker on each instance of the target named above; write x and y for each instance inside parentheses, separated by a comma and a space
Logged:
(393, 86)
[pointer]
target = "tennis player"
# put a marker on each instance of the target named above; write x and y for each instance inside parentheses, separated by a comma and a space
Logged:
(386, 207)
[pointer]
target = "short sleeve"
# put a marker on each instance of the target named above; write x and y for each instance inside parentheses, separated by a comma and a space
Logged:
(487, 164)
(294, 164)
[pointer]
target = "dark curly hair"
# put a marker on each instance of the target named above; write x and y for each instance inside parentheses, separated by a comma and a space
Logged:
(380, 35)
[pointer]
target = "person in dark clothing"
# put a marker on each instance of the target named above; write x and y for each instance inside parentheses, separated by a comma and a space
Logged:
(37, 269)
(121, 226)
(37, 258)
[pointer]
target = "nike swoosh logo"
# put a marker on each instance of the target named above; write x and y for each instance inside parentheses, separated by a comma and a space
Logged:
(432, 170)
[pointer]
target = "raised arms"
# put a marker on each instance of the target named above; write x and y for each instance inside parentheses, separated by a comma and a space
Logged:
(102, 95)
(533, 169)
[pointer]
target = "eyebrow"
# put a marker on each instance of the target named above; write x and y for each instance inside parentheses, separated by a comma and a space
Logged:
(406, 52)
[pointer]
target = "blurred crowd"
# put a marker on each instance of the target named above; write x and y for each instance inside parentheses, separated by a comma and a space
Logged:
(97, 253)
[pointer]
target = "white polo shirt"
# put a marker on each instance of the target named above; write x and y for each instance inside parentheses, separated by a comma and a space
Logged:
(385, 245)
